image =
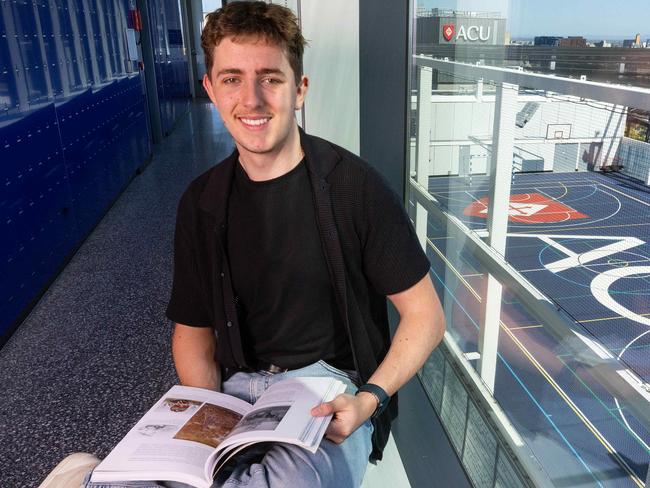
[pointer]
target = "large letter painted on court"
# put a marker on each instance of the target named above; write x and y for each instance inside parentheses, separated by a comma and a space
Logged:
(574, 259)
(600, 289)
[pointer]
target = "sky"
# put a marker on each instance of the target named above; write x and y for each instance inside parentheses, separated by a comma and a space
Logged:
(210, 5)
(593, 19)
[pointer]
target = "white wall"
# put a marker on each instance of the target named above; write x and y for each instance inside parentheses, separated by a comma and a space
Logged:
(457, 119)
(332, 64)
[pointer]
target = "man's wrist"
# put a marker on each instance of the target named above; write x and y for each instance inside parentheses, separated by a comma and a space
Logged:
(369, 403)
(376, 393)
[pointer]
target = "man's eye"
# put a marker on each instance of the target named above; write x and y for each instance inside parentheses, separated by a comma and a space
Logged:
(229, 81)
(271, 81)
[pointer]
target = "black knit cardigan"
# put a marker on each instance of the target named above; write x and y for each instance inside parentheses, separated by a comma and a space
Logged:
(369, 244)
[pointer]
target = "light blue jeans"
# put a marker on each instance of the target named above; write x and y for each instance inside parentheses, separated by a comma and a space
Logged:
(283, 465)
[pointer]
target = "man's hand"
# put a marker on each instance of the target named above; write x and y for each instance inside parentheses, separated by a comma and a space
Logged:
(349, 413)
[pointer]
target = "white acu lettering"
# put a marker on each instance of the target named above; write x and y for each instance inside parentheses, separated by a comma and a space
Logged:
(474, 33)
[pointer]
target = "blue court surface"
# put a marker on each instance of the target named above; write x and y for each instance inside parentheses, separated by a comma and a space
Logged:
(583, 239)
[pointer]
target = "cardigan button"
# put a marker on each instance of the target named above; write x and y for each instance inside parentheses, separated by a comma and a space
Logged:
(222, 274)
(229, 324)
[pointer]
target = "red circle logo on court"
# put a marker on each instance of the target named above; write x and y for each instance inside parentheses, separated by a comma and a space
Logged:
(529, 208)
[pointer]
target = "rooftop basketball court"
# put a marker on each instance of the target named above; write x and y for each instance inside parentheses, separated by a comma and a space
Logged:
(583, 239)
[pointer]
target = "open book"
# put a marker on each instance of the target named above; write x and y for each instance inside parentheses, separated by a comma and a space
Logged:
(190, 433)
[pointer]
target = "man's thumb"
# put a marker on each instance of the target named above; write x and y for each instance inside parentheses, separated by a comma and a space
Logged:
(323, 409)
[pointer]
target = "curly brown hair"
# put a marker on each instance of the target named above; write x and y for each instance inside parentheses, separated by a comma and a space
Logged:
(271, 23)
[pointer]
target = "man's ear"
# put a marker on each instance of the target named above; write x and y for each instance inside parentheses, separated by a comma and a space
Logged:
(301, 92)
(207, 85)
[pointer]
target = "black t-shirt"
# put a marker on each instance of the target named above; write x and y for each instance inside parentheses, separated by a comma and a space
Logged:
(286, 305)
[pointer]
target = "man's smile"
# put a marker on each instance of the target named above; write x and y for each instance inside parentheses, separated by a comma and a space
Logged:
(254, 122)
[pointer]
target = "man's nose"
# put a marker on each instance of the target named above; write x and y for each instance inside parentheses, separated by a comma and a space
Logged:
(252, 95)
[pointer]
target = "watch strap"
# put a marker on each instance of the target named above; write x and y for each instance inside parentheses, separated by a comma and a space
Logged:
(379, 393)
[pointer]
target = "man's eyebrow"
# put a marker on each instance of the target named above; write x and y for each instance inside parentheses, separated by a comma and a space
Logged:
(263, 71)
(230, 71)
(270, 71)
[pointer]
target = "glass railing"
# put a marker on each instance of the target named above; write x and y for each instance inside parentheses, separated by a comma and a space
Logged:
(534, 211)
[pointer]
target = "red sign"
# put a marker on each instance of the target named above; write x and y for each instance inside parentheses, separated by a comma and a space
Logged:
(448, 31)
(529, 208)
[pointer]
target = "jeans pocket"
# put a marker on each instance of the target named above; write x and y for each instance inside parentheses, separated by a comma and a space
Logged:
(353, 376)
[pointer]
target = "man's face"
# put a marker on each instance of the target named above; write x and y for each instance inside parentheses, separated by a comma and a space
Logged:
(254, 88)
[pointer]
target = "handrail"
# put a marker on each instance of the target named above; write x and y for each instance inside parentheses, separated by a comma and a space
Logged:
(630, 96)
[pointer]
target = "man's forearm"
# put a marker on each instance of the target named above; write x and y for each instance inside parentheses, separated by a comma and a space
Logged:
(193, 352)
(413, 342)
(420, 330)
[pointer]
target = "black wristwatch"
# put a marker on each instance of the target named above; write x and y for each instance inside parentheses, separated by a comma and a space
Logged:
(379, 393)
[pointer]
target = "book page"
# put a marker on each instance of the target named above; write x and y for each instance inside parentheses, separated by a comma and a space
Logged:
(177, 435)
(283, 413)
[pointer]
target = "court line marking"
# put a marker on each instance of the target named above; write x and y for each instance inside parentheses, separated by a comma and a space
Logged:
(527, 327)
(573, 199)
(616, 399)
(518, 188)
(634, 348)
(614, 411)
(532, 270)
(590, 426)
(595, 227)
(626, 195)
(611, 318)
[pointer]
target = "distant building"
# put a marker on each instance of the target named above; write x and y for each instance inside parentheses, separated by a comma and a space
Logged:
(573, 41)
(521, 42)
(634, 43)
(547, 41)
(602, 43)
(441, 26)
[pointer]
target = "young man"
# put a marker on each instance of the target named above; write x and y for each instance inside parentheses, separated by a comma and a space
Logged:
(285, 253)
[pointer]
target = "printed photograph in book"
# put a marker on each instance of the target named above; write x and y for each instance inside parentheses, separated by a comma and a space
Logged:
(156, 430)
(263, 419)
(209, 426)
(179, 405)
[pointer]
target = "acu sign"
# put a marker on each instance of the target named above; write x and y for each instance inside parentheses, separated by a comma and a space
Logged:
(470, 33)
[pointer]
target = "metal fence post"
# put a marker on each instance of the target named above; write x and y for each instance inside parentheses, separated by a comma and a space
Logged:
(423, 147)
(503, 136)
